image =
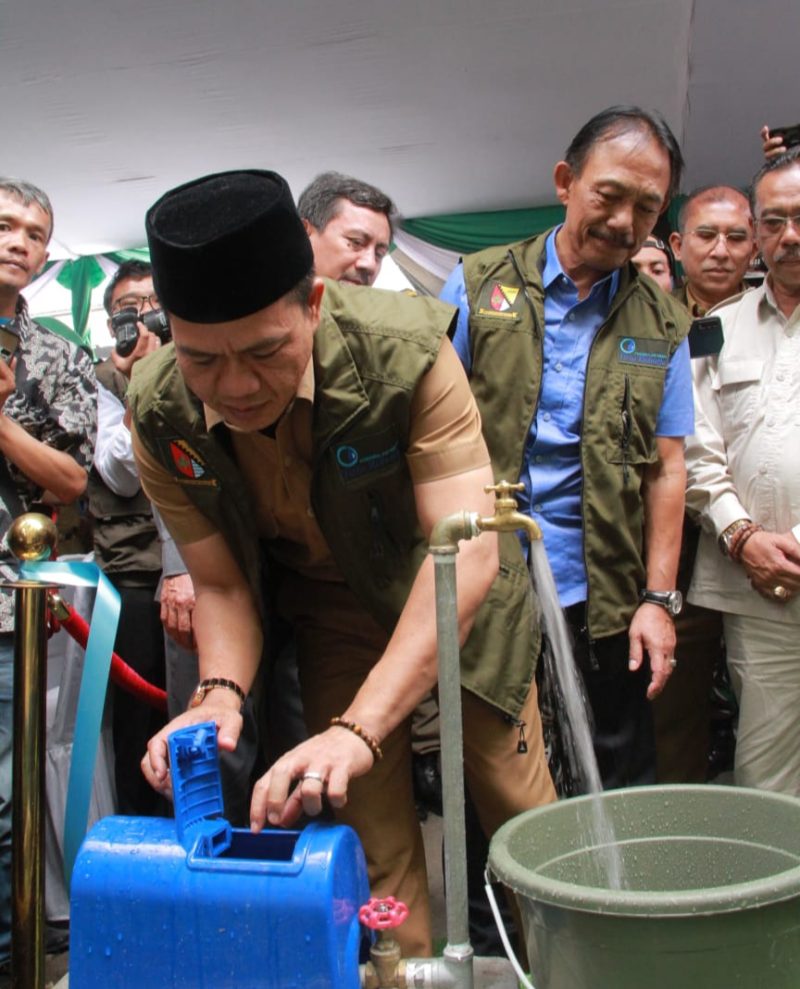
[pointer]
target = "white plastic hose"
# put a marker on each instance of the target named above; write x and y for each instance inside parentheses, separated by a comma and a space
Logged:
(501, 930)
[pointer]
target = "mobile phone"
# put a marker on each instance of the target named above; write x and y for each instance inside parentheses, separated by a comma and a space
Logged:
(8, 344)
(705, 336)
(790, 135)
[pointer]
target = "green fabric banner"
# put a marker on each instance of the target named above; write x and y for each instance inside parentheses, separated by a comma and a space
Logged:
(468, 232)
(81, 277)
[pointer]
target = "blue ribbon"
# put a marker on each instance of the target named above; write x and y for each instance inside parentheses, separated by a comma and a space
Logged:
(91, 698)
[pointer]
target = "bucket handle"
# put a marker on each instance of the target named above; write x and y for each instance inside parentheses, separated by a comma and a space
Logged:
(501, 930)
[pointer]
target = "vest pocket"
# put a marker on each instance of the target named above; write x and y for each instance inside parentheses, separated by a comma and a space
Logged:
(631, 410)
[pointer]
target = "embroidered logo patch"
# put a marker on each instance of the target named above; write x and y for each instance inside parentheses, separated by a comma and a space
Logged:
(367, 454)
(647, 353)
(503, 297)
(187, 462)
(498, 300)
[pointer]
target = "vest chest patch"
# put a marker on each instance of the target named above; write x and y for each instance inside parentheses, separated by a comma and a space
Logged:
(646, 353)
(499, 300)
(185, 462)
(367, 454)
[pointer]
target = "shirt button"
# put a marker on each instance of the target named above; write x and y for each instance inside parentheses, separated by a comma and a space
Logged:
(779, 376)
(537, 508)
(538, 458)
(770, 422)
(546, 417)
(559, 366)
(571, 317)
(762, 470)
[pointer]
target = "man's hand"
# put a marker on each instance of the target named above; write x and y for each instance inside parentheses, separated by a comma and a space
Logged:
(177, 605)
(337, 755)
(772, 559)
(219, 706)
(653, 631)
(771, 146)
(146, 344)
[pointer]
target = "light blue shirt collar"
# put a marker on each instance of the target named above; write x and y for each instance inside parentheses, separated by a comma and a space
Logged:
(553, 270)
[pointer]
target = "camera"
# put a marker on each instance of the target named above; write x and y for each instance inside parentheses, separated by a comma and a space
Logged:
(124, 326)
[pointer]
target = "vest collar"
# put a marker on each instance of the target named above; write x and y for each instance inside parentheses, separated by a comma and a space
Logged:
(338, 384)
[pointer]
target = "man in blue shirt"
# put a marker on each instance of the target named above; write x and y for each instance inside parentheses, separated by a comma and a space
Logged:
(607, 395)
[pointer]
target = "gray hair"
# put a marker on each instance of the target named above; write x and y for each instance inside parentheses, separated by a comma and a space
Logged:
(28, 193)
(319, 201)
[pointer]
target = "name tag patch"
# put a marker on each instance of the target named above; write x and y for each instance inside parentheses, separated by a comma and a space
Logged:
(645, 353)
(367, 455)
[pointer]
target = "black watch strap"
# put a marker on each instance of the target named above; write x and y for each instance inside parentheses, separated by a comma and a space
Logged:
(671, 601)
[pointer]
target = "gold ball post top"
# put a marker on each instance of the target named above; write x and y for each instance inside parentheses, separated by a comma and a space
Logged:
(32, 537)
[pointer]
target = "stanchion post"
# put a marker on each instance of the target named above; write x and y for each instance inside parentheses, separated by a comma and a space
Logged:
(31, 537)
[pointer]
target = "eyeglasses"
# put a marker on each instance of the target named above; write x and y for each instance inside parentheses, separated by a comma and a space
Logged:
(772, 225)
(711, 236)
(137, 302)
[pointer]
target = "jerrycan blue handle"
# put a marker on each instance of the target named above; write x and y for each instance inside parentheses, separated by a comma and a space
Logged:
(197, 788)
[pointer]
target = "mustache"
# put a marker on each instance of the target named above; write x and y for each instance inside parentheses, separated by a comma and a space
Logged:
(790, 254)
(623, 240)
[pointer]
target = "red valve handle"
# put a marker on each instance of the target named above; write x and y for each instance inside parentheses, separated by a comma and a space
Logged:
(383, 914)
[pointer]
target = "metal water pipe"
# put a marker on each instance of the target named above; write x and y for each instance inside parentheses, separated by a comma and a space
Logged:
(458, 967)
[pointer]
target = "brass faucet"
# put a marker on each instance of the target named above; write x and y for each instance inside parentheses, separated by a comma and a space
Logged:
(506, 518)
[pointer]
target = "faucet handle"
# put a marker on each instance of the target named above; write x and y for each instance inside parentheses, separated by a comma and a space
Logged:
(504, 495)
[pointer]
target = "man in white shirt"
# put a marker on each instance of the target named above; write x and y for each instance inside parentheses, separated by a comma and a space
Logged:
(744, 483)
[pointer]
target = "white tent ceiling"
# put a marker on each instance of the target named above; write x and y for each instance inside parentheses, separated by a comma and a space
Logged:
(449, 105)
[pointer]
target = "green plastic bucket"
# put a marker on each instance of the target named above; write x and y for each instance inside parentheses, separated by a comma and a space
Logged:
(711, 897)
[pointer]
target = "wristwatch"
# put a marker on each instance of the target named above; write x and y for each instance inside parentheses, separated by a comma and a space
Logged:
(671, 601)
(212, 683)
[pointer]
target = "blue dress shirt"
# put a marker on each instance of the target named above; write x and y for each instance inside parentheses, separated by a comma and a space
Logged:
(552, 472)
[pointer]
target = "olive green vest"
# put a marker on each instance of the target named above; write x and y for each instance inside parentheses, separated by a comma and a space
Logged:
(370, 351)
(623, 391)
(125, 537)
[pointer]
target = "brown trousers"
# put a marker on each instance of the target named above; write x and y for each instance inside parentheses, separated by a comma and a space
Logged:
(337, 645)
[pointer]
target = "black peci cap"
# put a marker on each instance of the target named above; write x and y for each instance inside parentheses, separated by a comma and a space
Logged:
(226, 245)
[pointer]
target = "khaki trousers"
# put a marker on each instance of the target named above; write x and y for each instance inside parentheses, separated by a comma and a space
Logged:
(337, 645)
(764, 663)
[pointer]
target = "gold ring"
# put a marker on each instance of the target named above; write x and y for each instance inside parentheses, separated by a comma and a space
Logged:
(780, 592)
(673, 662)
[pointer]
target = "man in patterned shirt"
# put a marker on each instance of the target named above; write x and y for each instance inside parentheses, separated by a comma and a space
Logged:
(48, 411)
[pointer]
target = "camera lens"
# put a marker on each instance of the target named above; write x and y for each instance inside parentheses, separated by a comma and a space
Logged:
(157, 321)
(125, 330)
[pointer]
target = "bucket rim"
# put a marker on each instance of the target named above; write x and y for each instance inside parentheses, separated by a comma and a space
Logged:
(734, 897)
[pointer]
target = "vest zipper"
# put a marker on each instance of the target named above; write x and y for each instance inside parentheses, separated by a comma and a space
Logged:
(616, 302)
(378, 550)
(515, 264)
(627, 427)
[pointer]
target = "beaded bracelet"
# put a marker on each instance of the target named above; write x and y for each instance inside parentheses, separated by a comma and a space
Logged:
(743, 535)
(365, 737)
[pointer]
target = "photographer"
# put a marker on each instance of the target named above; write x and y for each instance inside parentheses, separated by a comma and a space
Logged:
(126, 543)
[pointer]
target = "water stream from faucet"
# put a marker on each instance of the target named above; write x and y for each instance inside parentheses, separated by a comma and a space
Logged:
(577, 738)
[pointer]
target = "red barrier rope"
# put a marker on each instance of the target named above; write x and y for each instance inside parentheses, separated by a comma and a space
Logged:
(122, 675)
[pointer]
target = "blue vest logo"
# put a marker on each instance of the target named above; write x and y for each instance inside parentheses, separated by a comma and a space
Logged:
(346, 456)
